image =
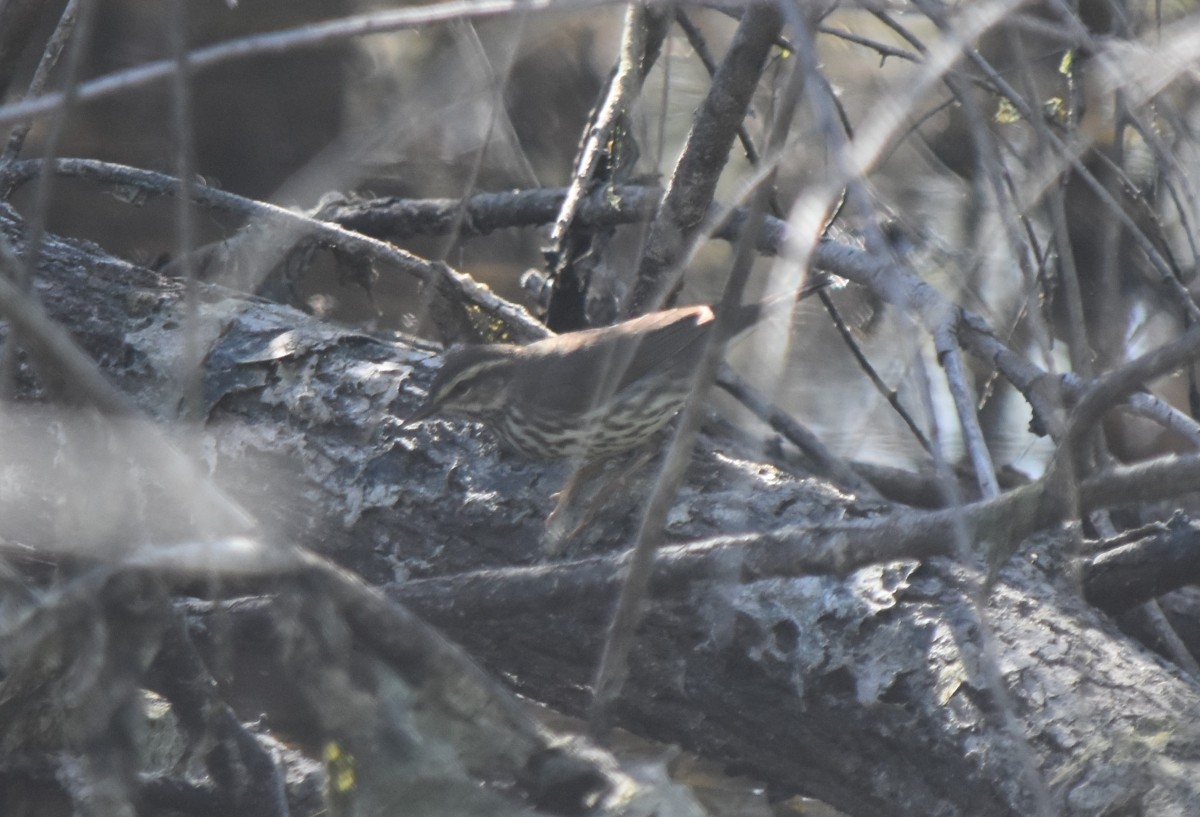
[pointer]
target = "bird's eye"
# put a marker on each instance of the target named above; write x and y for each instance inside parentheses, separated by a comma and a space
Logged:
(459, 391)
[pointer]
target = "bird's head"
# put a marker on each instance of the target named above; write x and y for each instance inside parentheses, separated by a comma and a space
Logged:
(473, 382)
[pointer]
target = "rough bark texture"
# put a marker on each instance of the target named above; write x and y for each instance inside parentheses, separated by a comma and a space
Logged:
(874, 692)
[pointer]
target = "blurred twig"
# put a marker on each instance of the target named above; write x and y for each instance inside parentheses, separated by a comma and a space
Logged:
(312, 35)
(54, 350)
(759, 27)
(24, 273)
(50, 56)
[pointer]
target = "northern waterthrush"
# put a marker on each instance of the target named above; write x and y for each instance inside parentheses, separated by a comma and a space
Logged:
(587, 394)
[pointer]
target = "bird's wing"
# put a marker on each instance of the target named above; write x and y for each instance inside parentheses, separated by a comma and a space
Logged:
(666, 338)
(619, 356)
(678, 335)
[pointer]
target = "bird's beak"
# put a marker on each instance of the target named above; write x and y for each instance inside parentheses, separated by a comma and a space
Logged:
(423, 412)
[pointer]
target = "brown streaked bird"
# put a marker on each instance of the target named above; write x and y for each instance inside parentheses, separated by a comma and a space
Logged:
(586, 394)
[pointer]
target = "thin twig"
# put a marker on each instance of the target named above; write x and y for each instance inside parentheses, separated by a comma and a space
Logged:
(973, 440)
(888, 393)
(883, 49)
(825, 460)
